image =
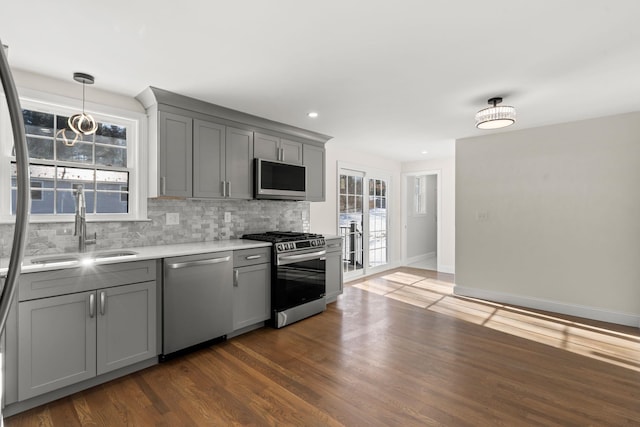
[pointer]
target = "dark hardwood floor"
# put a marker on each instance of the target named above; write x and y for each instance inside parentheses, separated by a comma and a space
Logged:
(397, 349)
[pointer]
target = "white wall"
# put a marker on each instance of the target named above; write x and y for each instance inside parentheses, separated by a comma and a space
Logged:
(324, 215)
(550, 218)
(447, 168)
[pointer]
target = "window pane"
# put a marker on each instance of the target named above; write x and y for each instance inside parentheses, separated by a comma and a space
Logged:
(111, 156)
(112, 202)
(40, 148)
(37, 123)
(111, 177)
(111, 134)
(351, 185)
(78, 175)
(80, 152)
(65, 202)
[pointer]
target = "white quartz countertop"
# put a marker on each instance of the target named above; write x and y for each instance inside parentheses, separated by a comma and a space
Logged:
(141, 253)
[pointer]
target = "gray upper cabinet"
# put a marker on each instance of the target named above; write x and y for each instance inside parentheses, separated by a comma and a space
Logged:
(208, 150)
(274, 148)
(175, 146)
(186, 137)
(238, 163)
(314, 160)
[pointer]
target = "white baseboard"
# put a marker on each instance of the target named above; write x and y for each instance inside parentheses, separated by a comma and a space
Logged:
(593, 313)
(420, 258)
(447, 269)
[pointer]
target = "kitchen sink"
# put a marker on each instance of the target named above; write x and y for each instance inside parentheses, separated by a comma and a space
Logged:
(84, 257)
(112, 254)
(52, 259)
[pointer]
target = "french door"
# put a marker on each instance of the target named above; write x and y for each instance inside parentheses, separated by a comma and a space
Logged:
(363, 221)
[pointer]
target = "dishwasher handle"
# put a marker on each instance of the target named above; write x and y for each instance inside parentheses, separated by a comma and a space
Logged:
(177, 265)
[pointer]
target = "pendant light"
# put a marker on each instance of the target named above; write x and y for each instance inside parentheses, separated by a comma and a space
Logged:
(83, 123)
(80, 123)
(496, 116)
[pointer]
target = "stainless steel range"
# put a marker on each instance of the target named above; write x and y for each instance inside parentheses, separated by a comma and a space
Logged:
(297, 275)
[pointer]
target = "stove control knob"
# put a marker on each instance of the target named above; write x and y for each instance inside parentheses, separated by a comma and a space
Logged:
(279, 246)
(313, 243)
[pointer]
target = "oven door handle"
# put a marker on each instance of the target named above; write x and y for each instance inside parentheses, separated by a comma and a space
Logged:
(302, 257)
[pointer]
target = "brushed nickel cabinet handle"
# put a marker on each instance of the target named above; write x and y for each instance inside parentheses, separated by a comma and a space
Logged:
(92, 305)
(163, 185)
(253, 257)
(236, 274)
(102, 302)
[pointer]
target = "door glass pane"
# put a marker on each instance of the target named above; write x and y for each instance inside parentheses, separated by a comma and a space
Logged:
(377, 223)
(350, 221)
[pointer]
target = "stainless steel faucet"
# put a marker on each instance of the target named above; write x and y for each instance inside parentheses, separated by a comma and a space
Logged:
(81, 222)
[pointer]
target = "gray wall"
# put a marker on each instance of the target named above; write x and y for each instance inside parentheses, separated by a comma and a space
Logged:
(551, 216)
(200, 221)
(421, 229)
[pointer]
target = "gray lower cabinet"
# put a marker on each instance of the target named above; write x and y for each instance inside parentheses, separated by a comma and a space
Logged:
(251, 287)
(314, 160)
(334, 268)
(68, 338)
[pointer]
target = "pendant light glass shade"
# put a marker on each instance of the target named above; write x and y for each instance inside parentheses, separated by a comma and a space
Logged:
(496, 116)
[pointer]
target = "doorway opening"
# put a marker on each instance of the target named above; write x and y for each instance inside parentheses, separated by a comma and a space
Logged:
(421, 220)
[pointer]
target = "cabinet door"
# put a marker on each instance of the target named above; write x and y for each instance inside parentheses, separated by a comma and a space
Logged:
(251, 295)
(314, 160)
(208, 159)
(266, 146)
(239, 159)
(126, 325)
(291, 151)
(334, 273)
(175, 152)
(56, 343)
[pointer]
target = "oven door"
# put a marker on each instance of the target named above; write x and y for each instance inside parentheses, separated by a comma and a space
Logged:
(299, 278)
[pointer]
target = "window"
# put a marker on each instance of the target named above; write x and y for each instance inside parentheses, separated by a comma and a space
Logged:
(420, 195)
(103, 163)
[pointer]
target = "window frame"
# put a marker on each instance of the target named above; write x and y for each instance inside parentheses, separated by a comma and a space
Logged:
(136, 124)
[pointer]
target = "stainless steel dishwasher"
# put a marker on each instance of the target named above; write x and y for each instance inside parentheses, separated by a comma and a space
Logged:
(197, 300)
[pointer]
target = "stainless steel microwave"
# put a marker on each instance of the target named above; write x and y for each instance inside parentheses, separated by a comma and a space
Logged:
(279, 180)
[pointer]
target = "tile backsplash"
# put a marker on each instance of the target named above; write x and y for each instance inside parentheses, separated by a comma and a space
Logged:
(200, 221)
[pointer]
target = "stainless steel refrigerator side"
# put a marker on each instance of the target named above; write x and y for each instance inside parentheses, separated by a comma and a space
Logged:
(23, 196)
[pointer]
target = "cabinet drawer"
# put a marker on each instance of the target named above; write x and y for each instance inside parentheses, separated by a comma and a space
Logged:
(251, 256)
(59, 282)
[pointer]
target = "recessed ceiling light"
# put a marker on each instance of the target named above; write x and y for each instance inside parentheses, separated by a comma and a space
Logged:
(424, 152)
(312, 114)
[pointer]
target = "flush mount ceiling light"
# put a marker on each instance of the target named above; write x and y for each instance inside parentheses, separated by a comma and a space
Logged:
(496, 116)
(312, 114)
(83, 123)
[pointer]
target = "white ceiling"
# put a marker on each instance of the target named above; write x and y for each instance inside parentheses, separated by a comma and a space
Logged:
(393, 78)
